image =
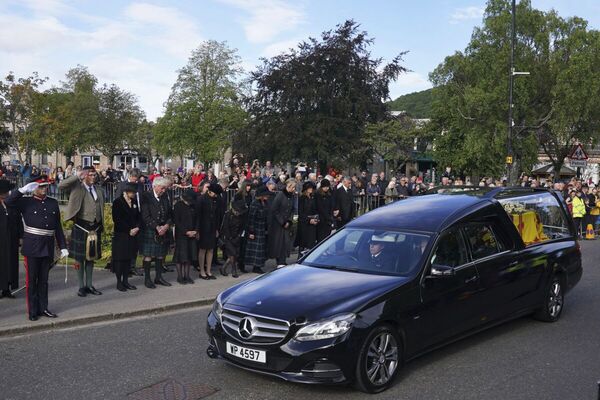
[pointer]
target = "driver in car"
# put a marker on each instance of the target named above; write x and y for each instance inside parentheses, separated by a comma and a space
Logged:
(379, 257)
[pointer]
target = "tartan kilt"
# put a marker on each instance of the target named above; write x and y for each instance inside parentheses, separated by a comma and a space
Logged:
(150, 247)
(256, 251)
(78, 242)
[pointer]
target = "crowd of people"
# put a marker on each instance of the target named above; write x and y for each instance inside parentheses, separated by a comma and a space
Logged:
(248, 214)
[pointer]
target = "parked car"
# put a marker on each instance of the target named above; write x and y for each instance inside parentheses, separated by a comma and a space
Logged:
(398, 282)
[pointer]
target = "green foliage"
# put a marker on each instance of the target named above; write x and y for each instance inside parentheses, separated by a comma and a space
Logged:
(416, 104)
(204, 108)
(394, 139)
(18, 100)
(553, 106)
(315, 101)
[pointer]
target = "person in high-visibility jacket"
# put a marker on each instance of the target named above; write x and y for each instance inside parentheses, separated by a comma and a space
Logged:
(578, 210)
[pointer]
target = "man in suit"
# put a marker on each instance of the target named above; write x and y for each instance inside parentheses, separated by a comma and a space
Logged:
(86, 210)
(41, 225)
(157, 218)
(379, 258)
(343, 209)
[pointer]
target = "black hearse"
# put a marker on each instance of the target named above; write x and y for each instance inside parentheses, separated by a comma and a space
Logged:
(399, 281)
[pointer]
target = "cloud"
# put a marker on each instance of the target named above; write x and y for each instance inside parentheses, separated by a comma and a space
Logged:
(466, 13)
(408, 83)
(277, 48)
(166, 27)
(266, 19)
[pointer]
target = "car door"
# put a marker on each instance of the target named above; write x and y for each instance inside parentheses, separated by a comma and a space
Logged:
(503, 271)
(448, 303)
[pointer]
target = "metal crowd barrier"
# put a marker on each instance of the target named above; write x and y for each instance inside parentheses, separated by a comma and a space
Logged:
(363, 203)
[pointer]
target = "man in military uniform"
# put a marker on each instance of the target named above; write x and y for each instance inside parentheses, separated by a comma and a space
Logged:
(41, 226)
(86, 210)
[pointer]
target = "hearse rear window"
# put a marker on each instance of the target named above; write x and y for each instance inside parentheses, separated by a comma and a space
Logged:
(538, 217)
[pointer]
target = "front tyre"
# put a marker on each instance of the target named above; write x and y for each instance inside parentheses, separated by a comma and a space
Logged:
(553, 302)
(379, 360)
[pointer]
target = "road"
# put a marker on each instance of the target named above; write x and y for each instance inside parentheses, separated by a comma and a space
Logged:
(522, 359)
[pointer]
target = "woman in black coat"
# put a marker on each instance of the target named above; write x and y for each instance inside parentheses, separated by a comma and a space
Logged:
(127, 219)
(324, 200)
(231, 232)
(279, 239)
(207, 213)
(244, 194)
(308, 218)
(186, 247)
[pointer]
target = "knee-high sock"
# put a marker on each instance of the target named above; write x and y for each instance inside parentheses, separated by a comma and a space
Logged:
(89, 272)
(147, 265)
(158, 265)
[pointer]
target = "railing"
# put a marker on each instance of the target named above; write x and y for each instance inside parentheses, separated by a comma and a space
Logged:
(362, 203)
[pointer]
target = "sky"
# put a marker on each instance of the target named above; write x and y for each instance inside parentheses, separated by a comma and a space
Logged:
(140, 45)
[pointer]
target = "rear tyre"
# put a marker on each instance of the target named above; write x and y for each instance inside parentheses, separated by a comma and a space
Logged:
(553, 302)
(379, 360)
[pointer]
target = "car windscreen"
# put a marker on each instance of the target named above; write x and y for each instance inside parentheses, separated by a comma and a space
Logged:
(370, 250)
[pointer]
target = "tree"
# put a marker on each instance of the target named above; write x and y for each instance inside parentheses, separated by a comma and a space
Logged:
(554, 106)
(81, 112)
(394, 140)
(416, 105)
(204, 108)
(119, 118)
(18, 97)
(315, 101)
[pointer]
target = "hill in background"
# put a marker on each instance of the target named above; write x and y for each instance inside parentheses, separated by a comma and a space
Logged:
(416, 105)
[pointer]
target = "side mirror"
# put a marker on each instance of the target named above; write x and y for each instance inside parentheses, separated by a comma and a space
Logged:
(441, 270)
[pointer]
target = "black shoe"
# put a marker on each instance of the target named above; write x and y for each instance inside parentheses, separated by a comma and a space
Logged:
(235, 275)
(92, 290)
(121, 288)
(150, 285)
(181, 281)
(222, 270)
(49, 314)
(161, 281)
(205, 277)
(257, 270)
(129, 286)
(82, 292)
(167, 269)
(189, 280)
(212, 277)
(7, 294)
(33, 317)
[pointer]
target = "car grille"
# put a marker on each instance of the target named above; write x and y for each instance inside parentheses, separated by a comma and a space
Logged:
(266, 330)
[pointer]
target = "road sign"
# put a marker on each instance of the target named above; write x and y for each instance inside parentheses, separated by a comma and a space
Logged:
(577, 153)
(578, 163)
(509, 159)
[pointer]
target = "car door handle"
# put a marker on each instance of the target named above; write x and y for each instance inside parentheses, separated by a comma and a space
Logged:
(471, 279)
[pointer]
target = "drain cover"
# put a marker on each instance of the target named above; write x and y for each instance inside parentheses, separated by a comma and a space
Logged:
(171, 389)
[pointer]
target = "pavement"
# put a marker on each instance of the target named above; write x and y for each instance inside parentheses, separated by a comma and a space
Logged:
(112, 304)
(163, 356)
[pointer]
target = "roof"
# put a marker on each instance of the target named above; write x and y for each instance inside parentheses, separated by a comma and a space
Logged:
(549, 169)
(428, 213)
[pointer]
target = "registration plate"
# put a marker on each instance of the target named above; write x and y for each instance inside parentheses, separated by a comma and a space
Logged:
(247, 354)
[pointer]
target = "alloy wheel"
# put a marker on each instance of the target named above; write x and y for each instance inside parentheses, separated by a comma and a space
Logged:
(555, 300)
(382, 358)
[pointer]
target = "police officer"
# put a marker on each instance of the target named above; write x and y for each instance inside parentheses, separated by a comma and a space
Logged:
(41, 226)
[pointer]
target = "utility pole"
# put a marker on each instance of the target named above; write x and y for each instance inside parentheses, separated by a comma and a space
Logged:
(509, 149)
(511, 123)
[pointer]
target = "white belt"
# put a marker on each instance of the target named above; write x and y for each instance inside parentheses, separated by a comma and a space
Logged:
(37, 231)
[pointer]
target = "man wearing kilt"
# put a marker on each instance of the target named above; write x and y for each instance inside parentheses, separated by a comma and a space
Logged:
(256, 249)
(157, 217)
(86, 210)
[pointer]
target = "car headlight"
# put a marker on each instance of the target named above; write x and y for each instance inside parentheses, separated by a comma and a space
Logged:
(217, 308)
(326, 329)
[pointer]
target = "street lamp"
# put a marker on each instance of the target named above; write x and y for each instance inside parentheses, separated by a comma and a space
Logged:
(511, 76)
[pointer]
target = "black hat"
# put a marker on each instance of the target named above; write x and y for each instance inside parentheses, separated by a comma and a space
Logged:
(262, 191)
(6, 186)
(215, 188)
(189, 195)
(325, 183)
(130, 187)
(88, 168)
(308, 184)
